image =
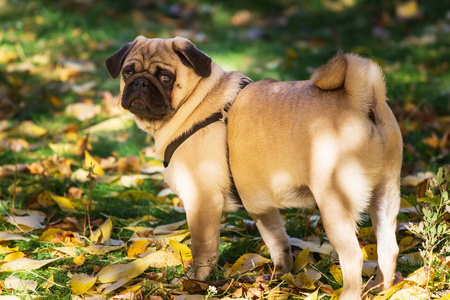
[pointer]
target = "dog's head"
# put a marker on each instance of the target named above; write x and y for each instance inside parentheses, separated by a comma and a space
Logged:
(157, 75)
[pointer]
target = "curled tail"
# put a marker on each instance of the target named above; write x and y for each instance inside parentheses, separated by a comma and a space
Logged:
(362, 79)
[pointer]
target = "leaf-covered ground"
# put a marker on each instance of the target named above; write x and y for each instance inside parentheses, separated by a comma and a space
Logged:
(84, 211)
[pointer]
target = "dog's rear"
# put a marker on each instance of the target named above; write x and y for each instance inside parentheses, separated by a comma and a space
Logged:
(364, 84)
(333, 138)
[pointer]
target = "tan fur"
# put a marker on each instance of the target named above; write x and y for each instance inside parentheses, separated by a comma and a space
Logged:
(332, 140)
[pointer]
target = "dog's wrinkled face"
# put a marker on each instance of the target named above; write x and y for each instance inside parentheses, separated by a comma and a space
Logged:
(157, 75)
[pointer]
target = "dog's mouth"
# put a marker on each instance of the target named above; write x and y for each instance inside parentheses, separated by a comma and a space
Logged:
(147, 99)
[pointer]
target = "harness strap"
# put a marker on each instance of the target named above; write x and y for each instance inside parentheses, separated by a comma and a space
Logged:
(218, 116)
(179, 140)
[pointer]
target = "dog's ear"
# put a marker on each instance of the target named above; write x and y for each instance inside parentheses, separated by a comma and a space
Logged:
(115, 62)
(192, 57)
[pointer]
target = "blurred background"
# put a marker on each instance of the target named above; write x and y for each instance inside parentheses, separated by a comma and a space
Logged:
(52, 56)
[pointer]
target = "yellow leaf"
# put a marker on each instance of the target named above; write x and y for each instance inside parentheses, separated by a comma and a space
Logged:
(62, 149)
(50, 234)
(312, 296)
(336, 272)
(301, 281)
(411, 292)
(6, 249)
(103, 232)
(49, 283)
(370, 252)
(446, 297)
(138, 247)
(65, 204)
(81, 283)
(79, 260)
(161, 259)
(100, 249)
(112, 273)
(422, 276)
(89, 161)
(301, 260)
(366, 233)
(336, 294)
(183, 250)
(14, 256)
(408, 9)
(407, 242)
(247, 262)
(30, 129)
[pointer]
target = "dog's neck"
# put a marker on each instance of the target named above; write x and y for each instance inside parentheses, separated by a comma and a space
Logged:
(207, 98)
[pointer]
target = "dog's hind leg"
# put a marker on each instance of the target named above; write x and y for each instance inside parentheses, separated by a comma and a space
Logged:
(383, 212)
(339, 222)
(271, 227)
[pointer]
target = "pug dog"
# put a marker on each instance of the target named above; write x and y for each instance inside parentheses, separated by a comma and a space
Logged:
(331, 141)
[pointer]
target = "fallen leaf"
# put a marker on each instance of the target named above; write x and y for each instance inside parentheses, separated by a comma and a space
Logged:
(129, 164)
(45, 199)
(79, 260)
(182, 250)
(65, 204)
(337, 273)
(112, 273)
(122, 122)
(247, 262)
(4, 236)
(51, 235)
(25, 264)
(137, 248)
(49, 282)
(6, 249)
(163, 229)
(14, 256)
(312, 296)
(369, 267)
(301, 260)
(311, 246)
(103, 232)
(27, 222)
(100, 249)
(370, 252)
(301, 281)
(81, 283)
(160, 259)
(30, 129)
(82, 111)
(407, 9)
(422, 276)
(62, 149)
(15, 283)
(89, 161)
(336, 294)
(108, 288)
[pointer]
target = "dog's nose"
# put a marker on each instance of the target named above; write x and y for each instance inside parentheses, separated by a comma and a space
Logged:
(141, 82)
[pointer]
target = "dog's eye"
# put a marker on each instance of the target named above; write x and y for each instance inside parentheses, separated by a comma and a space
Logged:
(165, 79)
(127, 74)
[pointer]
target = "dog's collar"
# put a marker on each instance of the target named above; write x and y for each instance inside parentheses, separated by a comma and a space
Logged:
(218, 116)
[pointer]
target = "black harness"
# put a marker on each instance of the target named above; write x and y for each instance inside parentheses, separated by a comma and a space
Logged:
(218, 116)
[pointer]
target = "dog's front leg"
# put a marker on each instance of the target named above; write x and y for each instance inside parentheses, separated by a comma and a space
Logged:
(203, 216)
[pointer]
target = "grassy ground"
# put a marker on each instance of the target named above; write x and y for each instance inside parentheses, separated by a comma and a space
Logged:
(52, 55)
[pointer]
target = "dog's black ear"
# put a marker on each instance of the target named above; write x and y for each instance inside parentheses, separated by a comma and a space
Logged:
(115, 62)
(192, 57)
